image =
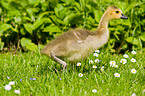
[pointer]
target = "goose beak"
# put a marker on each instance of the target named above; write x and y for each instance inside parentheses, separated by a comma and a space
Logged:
(123, 16)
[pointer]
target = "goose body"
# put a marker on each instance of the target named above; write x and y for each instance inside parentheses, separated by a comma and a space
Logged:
(77, 44)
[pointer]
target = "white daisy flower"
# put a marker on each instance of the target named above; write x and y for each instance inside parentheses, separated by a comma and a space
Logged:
(8, 77)
(116, 66)
(8, 87)
(94, 90)
(123, 61)
(96, 54)
(97, 60)
(117, 75)
(133, 52)
(94, 66)
(133, 94)
(98, 51)
(80, 75)
(125, 56)
(12, 83)
(102, 69)
(112, 63)
(34, 78)
(91, 61)
(133, 60)
(17, 91)
(78, 64)
(133, 71)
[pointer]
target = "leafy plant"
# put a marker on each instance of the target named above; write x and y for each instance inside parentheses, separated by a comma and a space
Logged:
(39, 21)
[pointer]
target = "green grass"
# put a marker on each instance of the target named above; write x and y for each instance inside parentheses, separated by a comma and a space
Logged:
(48, 83)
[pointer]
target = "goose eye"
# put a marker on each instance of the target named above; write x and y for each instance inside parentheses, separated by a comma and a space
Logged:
(117, 11)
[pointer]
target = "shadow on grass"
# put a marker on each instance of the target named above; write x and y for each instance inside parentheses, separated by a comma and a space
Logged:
(51, 66)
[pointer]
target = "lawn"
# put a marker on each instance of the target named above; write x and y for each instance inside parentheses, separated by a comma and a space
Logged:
(37, 75)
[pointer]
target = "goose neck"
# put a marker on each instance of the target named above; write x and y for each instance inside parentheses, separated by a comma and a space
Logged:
(104, 21)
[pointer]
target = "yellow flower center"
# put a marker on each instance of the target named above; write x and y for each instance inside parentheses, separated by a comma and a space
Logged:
(102, 69)
(94, 66)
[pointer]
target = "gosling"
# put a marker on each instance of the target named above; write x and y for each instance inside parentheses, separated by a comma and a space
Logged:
(77, 44)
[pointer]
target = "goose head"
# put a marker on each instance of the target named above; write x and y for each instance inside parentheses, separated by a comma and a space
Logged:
(115, 13)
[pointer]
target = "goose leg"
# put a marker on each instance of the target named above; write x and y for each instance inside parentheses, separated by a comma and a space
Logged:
(58, 60)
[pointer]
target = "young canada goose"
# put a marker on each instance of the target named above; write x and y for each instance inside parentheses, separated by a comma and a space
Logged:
(77, 44)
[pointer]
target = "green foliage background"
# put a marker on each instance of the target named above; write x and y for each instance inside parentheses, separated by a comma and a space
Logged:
(30, 24)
